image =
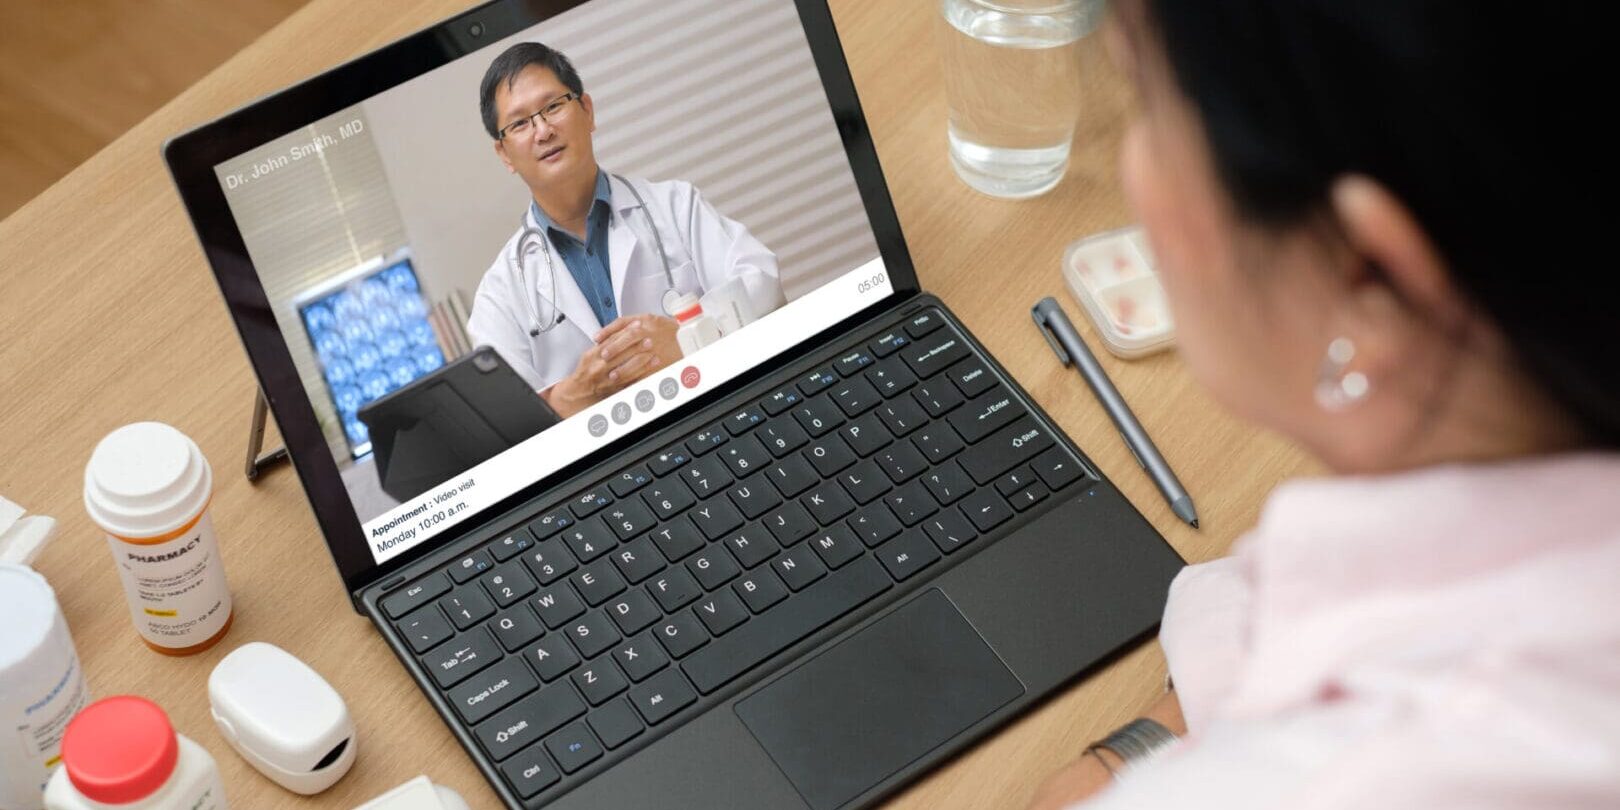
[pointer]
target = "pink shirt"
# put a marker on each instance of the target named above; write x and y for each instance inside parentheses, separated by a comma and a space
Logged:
(1442, 638)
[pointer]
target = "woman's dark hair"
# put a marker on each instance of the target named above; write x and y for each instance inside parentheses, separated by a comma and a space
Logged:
(1481, 117)
(505, 70)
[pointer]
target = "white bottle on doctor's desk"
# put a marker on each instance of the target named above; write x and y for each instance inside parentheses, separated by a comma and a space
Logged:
(696, 329)
(121, 754)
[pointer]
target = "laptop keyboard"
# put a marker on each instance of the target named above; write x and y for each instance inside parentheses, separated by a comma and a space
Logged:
(602, 622)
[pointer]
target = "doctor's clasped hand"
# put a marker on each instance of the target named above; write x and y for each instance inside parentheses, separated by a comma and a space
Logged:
(626, 351)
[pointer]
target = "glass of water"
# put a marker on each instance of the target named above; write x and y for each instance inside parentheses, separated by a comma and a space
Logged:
(1012, 81)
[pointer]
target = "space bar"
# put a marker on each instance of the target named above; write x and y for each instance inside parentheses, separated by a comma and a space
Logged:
(807, 611)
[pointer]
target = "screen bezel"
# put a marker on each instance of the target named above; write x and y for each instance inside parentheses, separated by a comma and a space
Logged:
(192, 157)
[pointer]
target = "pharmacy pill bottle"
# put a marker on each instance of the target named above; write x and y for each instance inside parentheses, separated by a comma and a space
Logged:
(148, 487)
(121, 754)
(41, 685)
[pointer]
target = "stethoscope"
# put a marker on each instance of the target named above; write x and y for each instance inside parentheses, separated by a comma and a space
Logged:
(531, 233)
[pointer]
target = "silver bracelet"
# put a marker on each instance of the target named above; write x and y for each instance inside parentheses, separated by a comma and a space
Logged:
(1137, 740)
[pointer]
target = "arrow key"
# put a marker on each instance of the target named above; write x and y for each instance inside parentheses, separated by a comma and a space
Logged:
(1057, 468)
(986, 509)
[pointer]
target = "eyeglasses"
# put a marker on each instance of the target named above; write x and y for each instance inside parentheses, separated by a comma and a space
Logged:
(554, 111)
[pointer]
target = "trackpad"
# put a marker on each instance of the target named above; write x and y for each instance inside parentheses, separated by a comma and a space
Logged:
(871, 705)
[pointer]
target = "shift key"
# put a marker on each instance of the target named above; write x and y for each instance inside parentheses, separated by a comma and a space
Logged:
(492, 690)
(1009, 447)
(768, 634)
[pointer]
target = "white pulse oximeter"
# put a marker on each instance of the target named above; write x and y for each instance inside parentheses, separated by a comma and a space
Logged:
(282, 717)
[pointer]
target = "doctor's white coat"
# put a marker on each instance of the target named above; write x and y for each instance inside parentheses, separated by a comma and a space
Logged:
(705, 251)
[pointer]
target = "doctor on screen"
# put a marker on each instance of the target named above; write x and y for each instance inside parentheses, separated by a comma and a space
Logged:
(577, 301)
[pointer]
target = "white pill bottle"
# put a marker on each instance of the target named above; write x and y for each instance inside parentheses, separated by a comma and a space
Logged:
(148, 487)
(121, 753)
(42, 685)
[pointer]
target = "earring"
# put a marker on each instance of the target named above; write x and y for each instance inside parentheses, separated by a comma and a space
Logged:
(1337, 389)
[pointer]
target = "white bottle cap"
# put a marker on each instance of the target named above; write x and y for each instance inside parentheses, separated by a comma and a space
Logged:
(146, 479)
(29, 606)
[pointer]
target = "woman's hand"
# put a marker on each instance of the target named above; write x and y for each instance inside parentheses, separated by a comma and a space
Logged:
(1085, 777)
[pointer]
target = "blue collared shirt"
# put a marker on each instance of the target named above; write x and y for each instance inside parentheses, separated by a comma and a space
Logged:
(587, 261)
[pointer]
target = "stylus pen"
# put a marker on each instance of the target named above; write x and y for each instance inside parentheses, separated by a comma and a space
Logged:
(1059, 332)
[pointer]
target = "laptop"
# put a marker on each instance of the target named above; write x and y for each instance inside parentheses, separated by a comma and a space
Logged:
(796, 567)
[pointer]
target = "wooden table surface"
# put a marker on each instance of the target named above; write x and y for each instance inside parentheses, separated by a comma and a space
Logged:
(109, 315)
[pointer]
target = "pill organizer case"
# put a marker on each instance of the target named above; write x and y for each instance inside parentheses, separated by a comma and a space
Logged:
(1112, 275)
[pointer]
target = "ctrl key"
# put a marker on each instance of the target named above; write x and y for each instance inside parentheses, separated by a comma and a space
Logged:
(530, 771)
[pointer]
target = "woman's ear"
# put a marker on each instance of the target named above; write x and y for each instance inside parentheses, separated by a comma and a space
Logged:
(1382, 232)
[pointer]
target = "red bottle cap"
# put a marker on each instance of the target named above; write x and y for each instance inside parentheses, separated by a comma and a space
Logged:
(119, 750)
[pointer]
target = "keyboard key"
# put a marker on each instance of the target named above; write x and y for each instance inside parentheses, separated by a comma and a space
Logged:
(864, 482)
(674, 589)
(557, 604)
(938, 442)
(615, 724)
(793, 475)
(628, 518)
(1014, 481)
(755, 496)
(836, 546)
(706, 476)
(530, 772)
(827, 503)
(947, 483)
(781, 400)
(911, 503)
(782, 437)
(1029, 496)
(639, 657)
(669, 461)
(633, 611)
(817, 416)
(548, 561)
(599, 680)
(889, 342)
(874, 525)
(744, 420)
(901, 462)
(813, 608)
(901, 416)
(598, 582)
(829, 455)
(949, 530)
(552, 657)
(714, 567)
(760, 589)
(593, 633)
(855, 397)
(798, 567)
(971, 376)
(508, 584)
(986, 414)
(574, 747)
(709, 438)
(516, 627)
(890, 379)
(788, 525)
(467, 606)
(638, 560)
(510, 545)
(677, 539)
(720, 612)
(669, 498)
(907, 554)
(853, 361)
(923, 323)
(419, 593)
(550, 523)
(715, 518)
(931, 355)
(866, 435)
(680, 634)
(817, 381)
(528, 720)
(455, 662)
(471, 566)
(667, 693)
(753, 545)
(590, 539)
(1057, 468)
(424, 630)
(937, 397)
(590, 502)
(491, 690)
(1005, 449)
(986, 509)
(630, 480)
